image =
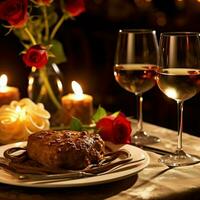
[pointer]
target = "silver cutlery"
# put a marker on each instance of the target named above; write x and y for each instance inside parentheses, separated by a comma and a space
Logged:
(76, 174)
(156, 150)
(66, 176)
(164, 152)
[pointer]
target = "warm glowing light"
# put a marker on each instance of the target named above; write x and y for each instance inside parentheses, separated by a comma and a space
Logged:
(59, 84)
(21, 118)
(56, 69)
(18, 109)
(21, 113)
(77, 90)
(30, 81)
(3, 82)
(33, 69)
(170, 92)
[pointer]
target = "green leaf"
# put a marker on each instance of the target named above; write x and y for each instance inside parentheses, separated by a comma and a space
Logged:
(75, 124)
(115, 114)
(100, 113)
(58, 51)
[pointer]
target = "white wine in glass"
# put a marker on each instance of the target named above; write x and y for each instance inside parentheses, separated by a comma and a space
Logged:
(179, 79)
(135, 70)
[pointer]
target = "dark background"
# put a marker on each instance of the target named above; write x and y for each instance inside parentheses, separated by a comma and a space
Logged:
(89, 43)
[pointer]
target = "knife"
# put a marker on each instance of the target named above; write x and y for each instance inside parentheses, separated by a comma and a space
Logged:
(163, 151)
(155, 150)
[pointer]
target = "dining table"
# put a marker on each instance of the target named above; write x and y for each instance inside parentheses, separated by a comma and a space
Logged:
(155, 182)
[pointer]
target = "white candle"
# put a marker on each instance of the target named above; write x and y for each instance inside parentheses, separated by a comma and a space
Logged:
(7, 94)
(77, 105)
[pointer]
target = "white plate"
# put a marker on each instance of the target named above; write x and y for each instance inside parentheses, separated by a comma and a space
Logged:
(127, 171)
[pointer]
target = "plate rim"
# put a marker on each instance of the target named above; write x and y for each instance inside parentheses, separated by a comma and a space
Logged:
(115, 176)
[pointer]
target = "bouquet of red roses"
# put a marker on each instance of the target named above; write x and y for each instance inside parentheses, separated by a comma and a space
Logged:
(36, 22)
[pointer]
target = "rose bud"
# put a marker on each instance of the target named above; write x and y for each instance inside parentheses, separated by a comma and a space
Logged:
(116, 129)
(74, 7)
(15, 12)
(36, 56)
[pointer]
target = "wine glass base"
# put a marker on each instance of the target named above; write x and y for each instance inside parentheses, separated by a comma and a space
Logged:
(179, 158)
(141, 138)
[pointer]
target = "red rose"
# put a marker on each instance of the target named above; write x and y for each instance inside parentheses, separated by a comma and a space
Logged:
(43, 2)
(122, 130)
(15, 12)
(74, 7)
(115, 129)
(36, 56)
(105, 126)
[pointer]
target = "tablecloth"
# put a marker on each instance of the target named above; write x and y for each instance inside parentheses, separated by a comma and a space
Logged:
(156, 181)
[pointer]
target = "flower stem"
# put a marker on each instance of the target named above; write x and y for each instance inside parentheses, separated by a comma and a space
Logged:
(43, 70)
(60, 22)
(46, 22)
(48, 87)
(30, 36)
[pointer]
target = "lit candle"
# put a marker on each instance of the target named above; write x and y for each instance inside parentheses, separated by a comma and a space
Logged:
(7, 94)
(77, 105)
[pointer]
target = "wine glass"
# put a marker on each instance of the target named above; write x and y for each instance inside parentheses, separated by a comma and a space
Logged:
(135, 70)
(179, 79)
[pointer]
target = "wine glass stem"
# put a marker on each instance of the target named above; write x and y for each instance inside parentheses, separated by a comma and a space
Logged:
(140, 117)
(180, 124)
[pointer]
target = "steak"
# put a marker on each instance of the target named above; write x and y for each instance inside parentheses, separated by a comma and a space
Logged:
(65, 149)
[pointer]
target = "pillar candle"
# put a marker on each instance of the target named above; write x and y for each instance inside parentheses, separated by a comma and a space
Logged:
(7, 94)
(77, 105)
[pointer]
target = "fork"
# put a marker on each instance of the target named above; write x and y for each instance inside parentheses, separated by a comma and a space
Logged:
(75, 174)
(65, 176)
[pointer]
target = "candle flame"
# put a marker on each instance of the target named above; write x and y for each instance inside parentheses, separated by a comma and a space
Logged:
(3, 82)
(77, 90)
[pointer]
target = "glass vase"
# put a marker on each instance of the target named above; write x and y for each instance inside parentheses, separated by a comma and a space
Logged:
(45, 86)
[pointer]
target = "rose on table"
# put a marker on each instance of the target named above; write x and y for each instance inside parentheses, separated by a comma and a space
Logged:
(115, 127)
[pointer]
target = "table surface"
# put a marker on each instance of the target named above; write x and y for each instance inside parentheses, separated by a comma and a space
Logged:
(154, 182)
